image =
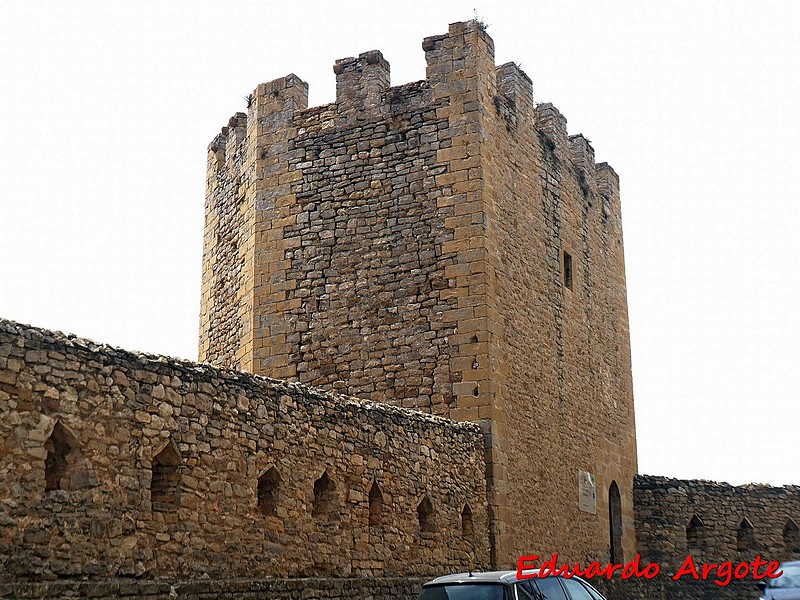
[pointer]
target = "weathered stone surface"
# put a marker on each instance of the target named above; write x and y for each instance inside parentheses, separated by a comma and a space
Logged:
(676, 517)
(408, 245)
(378, 588)
(685, 588)
(112, 484)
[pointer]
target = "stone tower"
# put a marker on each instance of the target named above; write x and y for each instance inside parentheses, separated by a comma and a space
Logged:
(442, 245)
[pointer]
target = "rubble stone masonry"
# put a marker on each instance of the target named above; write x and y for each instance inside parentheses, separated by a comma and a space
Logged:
(715, 521)
(116, 464)
(443, 245)
(330, 588)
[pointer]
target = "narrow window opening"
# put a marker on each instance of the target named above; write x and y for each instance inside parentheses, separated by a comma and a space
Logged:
(695, 534)
(165, 478)
(268, 488)
(375, 504)
(791, 536)
(467, 528)
(56, 465)
(745, 536)
(323, 497)
(425, 516)
(567, 261)
(615, 523)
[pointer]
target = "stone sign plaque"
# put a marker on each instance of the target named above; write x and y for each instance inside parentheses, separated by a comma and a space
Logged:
(587, 492)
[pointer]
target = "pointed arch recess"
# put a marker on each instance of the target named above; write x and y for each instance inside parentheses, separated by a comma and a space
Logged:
(425, 515)
(467, 526)
(375, 504)
(268, 491)
(745, 535)
(165, 477)
(324, 494)
(615, 523)
(60, 447)
(791, 536)
(695, 533)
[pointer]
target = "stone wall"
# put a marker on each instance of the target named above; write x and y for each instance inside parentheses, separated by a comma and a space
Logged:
(664, 587)
(560, 351)
(223, 321)
(371, 314)
(714, 521)
(374, 588)
(377, 588)
(116, 464)
(441, 245)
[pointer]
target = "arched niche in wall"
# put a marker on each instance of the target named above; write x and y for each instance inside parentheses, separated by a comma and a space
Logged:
(269, 485)
(324, 497)
(695, 534)
(467, 526)
(791, 536)
(425, 517)
(615, 523)
(62, 449)
(375, 504)
(165, 477)
(745, 536)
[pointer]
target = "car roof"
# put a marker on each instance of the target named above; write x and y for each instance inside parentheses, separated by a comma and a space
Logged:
(505, 577)
(490, 577)
(502, 577)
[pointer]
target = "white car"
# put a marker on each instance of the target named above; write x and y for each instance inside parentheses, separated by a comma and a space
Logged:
(785, 587)
(504, 585)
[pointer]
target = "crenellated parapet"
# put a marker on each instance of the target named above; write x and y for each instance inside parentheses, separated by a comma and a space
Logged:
(608, 180)
(514, 99)
(460, 77)
(582, 152)
(461, 61)
(226, 142)
(552, 124)
(361, 84)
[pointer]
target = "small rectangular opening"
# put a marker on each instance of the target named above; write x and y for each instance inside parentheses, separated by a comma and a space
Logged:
(567, 263)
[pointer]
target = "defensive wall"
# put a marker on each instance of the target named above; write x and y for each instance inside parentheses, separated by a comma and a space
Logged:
(714, 521)
(663, 587)
(115, 464)
(442, 245)
(374, 588)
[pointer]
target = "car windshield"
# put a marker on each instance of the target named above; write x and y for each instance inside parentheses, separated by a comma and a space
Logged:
(789, 580)
(464, 591)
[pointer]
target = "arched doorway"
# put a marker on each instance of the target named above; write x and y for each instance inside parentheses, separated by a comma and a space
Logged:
(615, 523)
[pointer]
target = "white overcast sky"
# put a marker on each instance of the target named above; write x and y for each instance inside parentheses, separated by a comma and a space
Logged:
(107, 108)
